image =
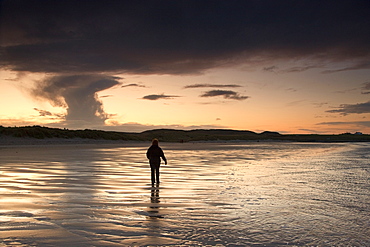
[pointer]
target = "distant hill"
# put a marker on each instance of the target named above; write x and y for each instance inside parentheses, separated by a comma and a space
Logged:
(171, 135)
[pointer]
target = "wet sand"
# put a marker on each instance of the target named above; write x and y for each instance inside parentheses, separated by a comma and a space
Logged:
(211, 194)
(91, 194)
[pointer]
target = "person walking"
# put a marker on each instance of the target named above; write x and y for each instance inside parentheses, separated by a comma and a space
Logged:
(154, 154)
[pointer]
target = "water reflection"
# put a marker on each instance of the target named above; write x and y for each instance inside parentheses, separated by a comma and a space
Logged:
(154, 203)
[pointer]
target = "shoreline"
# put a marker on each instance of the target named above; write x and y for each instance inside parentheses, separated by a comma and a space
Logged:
(27, 141)
(10, 141)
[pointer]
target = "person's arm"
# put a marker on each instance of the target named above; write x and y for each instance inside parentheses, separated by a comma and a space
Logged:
(148, 153)
(163, 157)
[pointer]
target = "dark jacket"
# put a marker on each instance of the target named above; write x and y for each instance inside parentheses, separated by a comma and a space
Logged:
(154, 155)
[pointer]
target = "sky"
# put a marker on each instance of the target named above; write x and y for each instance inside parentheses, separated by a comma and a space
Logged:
(298, 67)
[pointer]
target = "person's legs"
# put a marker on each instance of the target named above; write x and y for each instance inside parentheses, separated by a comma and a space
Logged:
(157, 173)
(153, 174)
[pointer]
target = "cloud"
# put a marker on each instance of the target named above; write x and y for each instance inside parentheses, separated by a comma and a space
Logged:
(346, 109)
(271, 69)
(300, 68)
(355, 66)
(159, 96)
(291, 89)
(227, 94)
(44, 113)
(179, 37)
(346, 90)
(24, 121)
(133, 85)
(366, 88)
(76, 93)
(211, 85)
(310, 131)
(320, 104)
(106, 96)
(357, 123)
(276, 69)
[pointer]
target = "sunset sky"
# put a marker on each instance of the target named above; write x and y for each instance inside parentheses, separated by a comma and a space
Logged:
(286, 66)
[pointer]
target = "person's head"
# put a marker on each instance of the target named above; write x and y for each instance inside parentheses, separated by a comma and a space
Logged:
(155, 142)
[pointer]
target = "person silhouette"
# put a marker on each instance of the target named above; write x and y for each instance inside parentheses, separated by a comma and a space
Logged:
(154, 154)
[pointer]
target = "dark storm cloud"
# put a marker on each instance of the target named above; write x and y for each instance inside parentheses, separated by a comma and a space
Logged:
(211, 85)
(346, 109)
(227, 94)
(87, 38)
(159, 96)
(78, 94)
(178, 37)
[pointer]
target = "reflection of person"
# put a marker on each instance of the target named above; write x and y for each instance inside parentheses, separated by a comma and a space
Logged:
(154, 154)
(154, 196)
(154, 208)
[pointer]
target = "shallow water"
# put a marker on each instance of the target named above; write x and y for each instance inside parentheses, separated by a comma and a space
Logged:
(226, 194)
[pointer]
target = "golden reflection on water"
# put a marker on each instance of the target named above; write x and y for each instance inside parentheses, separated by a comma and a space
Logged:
(226, 194)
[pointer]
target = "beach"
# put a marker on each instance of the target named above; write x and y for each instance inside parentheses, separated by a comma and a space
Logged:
(211, 194)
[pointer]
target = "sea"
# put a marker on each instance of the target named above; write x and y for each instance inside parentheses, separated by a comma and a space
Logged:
(211, 194)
